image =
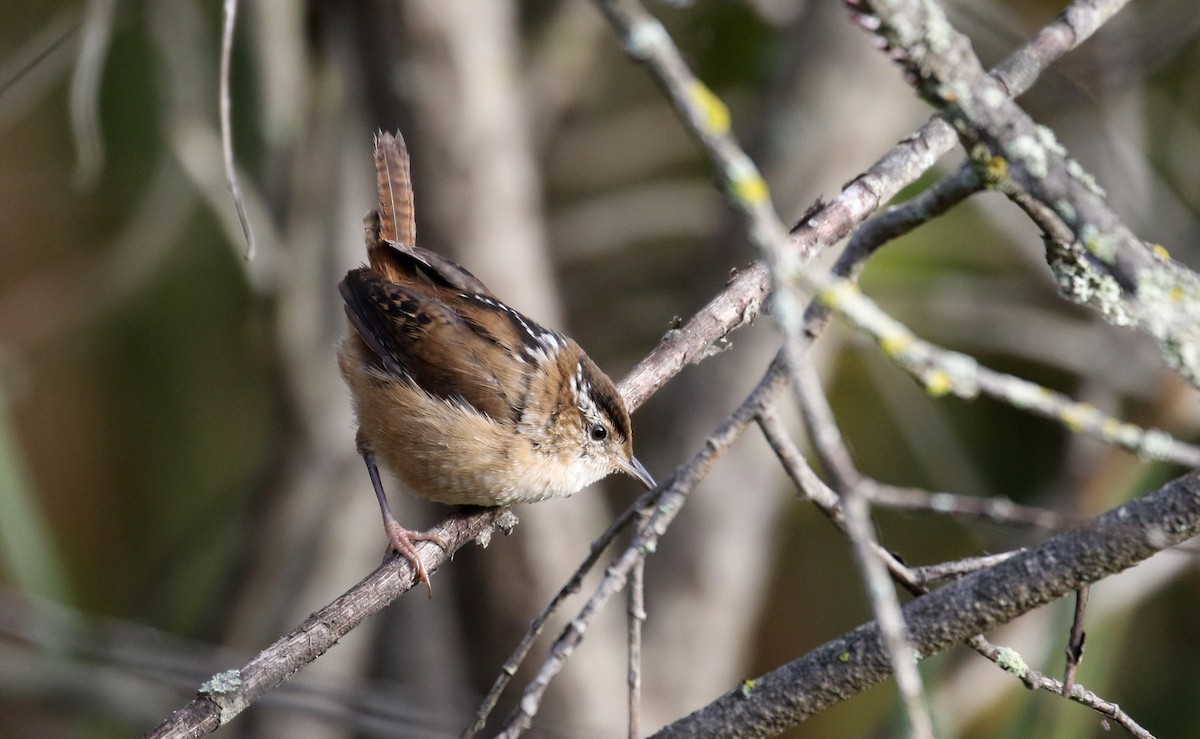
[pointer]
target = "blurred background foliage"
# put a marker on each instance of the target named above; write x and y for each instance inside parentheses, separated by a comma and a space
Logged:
(178, 483)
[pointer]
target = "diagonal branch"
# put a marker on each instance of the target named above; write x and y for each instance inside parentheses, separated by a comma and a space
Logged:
(856, 511)
(1129, 281)
(917, 581)
(857, 660)
(227, 694)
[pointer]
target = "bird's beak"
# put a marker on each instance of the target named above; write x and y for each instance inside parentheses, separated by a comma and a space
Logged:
(634, 469)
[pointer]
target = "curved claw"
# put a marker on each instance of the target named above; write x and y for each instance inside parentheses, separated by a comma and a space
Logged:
(403, 541)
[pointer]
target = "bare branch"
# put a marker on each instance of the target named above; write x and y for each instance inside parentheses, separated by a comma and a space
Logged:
(934, 574)
(227, 694)
(636, 615)
(1075, 642)
(995, 509)
(900, 166)
(1010, 660)
(823, 432)
(886, 607)
(855, 521)
(856, 514)
(942, 371)
(1128, 281)
(892, 224)
(916, 581)
(853, 662)
(817, 492)
(513, 663)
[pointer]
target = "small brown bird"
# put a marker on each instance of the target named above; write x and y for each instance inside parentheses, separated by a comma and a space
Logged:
(463, 398)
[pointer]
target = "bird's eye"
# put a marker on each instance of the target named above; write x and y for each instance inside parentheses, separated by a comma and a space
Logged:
(598, 432)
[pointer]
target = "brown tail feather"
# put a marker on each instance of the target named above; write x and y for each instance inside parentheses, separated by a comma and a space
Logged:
(391, 231)
(395, 189)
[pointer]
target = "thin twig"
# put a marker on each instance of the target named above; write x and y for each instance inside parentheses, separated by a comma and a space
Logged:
(886, 607)
(943, 372)
(823, 432)
(893, 223)
(177, 31)
(514, 661)
(814, 490)
(636, 615)
(1075, 642)
(916, 581)
(995, 508)
(1010, 660)
(934, 574)
(226, 105)
(42, 55)
(822, 428)
(940, 370)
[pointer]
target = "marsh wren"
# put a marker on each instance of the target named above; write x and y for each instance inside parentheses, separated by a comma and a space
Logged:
(463, 398)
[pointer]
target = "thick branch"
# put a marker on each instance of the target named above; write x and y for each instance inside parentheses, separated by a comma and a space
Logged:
(848, 665)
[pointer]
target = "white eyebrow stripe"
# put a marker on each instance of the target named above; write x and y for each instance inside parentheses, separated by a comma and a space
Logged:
(583, 394)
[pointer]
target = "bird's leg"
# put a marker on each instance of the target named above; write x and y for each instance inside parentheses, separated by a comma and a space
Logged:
(402, 540)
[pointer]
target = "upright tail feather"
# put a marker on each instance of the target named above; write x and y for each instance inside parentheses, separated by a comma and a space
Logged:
(395, 189)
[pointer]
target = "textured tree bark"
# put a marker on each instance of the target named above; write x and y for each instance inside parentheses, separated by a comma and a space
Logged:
(850, 664)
